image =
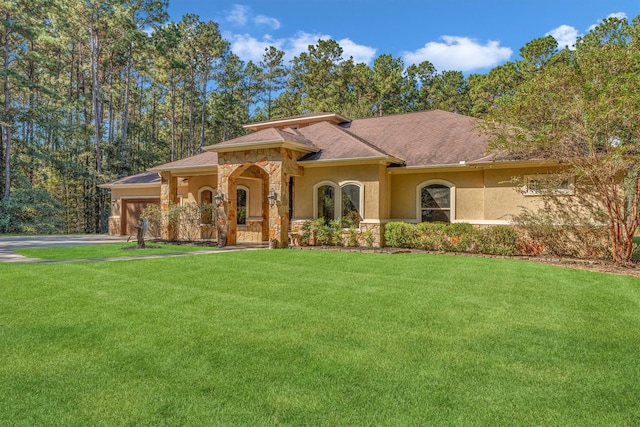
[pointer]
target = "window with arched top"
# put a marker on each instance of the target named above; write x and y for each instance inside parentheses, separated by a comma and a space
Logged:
(325, 198)
(436, 201)
(344, 202)
(351, 209)
(205, 200)
(243, 205)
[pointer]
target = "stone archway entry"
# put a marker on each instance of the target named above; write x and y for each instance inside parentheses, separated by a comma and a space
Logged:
(256, 227)
(273, 166)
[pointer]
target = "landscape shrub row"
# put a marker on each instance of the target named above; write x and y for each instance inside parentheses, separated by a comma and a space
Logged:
(186, 220)
(456, 237)
(535, 236)
(321, 233)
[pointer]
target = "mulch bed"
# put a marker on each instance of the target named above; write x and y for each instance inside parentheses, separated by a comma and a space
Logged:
(602, 266)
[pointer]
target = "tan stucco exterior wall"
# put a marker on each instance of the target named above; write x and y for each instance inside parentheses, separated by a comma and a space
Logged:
(196, 183)
(469, 194)
(502, 199)
(486, 195)
(367, 175)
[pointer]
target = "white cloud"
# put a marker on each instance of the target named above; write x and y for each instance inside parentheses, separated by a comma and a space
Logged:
(360, 53)
(565, 35)
(248, 48)
(238, 15)
(273, 23)
(619, 15)
(300, 43)
(459, 54)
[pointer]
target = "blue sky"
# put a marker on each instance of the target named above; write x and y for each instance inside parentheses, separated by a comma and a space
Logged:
(472, 36)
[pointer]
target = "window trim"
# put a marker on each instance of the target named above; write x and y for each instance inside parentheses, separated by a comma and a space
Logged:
(360, 198)
(337, 195)
(452, 197)
(337, 188)
(570, 190)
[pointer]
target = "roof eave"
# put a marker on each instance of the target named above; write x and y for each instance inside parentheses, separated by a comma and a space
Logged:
(350, 161)
(134, 185)
(280, 123)
(506, 164)
(201, 169)
(256, 145)
(462, 165)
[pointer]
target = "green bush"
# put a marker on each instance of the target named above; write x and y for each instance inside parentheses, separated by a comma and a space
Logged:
(30, 211)
(457, 237)
(578, 236)
(400, 234)
(184, 219)
(153, 215)
(498, 240)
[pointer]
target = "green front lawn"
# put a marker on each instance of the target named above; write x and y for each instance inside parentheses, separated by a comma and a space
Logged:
(317, 338)
(107, 250)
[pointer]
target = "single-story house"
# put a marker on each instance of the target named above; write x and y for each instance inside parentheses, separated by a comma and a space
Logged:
(414, 167)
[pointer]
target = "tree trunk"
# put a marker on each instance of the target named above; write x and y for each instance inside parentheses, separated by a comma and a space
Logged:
(173, 120)
(204, 107)
(190, 134)
(95, 92)
(125, 114)
(7, 116)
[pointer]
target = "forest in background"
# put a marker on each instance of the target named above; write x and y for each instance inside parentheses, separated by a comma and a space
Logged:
(96, 90)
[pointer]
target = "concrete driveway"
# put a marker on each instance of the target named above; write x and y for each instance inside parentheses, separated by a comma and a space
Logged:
(9, 243)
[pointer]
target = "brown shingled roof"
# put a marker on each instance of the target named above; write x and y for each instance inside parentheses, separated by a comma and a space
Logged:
(425, 138)
(266, 136)
(141, 179)
(199, 160)
(336, 143)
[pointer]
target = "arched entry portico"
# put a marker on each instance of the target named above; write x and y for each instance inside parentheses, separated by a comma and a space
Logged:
(256, 229)
(273, 167)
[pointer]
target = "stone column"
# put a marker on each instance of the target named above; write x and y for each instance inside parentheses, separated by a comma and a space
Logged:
(168, 197)
(279, 173)
(225, 227)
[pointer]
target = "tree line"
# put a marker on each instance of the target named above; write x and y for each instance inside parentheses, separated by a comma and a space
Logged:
(99, 89)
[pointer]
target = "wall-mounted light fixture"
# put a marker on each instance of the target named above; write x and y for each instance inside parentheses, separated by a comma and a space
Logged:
(273, 197)
(218, 198)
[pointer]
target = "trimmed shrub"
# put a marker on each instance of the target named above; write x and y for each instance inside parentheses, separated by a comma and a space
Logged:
(400, 234)
(457, 237)
(498, 240)
(184, 219)
(540, 233)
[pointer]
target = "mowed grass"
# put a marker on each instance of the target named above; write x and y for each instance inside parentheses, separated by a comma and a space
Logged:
(289, 337)
(106, 250)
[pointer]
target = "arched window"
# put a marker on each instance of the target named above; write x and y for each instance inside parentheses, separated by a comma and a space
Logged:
(436, 201)
(351, 209)
(242, 201)
(343, 202)
(205, 196)
(326, 202)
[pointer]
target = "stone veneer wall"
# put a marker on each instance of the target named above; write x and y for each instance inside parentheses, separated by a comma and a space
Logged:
(252, 232)
(114, 226)
(279, 164)
(377, 232)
